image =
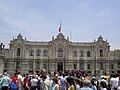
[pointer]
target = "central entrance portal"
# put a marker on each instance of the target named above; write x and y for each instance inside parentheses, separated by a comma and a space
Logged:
(60, 66)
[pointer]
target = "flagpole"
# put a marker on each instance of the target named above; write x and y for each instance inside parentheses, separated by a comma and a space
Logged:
(70, 35)
(60, 24)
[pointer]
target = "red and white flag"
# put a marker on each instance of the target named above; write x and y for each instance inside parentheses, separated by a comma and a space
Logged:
(59, 28)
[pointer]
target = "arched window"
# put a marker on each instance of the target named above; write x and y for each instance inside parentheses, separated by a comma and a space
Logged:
(18, 51)
(101, 66)
(37, 65)
(38, 52)
(31, 52)
(88, 66)
(118, 64)
(60, 52)
(30, 64)
(101, 53)
(18, 64)
(45, 53)
(74, 53)
(81, 53)
(5, 65)
(75, 65)
(112, 66)
(88, 53)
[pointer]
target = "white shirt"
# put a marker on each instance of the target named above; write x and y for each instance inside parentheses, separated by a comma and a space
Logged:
(33, 82)
(113, 82)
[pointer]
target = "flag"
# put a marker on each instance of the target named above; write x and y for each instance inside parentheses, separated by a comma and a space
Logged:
(59, 29)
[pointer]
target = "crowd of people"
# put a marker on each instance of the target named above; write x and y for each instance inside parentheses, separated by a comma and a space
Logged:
(67, 80)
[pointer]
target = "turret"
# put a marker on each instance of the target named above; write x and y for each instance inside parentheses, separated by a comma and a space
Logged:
(19, 36)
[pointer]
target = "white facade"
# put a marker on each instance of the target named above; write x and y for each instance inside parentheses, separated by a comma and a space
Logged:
(60, 54)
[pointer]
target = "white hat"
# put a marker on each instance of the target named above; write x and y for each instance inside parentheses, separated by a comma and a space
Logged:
(86, 81)
(102, 77)
(56, 75)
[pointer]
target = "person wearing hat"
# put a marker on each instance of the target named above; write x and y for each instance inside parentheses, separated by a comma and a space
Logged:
(86, 85)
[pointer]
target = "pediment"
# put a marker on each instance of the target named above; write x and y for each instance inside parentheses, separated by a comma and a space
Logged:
(60, 36)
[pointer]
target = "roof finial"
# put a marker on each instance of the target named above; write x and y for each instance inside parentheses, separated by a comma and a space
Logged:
(25, 38)
(106, 40)
(52, 37)
(19, 36)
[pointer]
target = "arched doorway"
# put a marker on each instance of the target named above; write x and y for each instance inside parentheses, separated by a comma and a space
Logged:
(60, 66)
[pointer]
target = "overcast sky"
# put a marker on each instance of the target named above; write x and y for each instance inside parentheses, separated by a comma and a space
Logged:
(38, 20)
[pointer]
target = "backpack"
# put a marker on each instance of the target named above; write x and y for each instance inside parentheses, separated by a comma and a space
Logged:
(13, 86)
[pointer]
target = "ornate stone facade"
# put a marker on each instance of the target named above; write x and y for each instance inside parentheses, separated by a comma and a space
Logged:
(60, 54)
(2, 57)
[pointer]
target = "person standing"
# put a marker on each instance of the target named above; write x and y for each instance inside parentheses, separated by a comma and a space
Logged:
(0, 81)
(103, 85)
(55, 84)
(113, 82)
(63, 83)
(86, 85)
(5, 82)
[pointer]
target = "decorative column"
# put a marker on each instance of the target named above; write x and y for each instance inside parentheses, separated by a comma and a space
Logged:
(34, 67)
(85, 67)
(48, 63)
(1, 57)
(1, 64)
(64, 65)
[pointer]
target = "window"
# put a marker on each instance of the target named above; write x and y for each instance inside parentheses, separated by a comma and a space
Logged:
(88, 66)
(45, 53)
(38, 52)
(101, 53)
(5, 65)
(81, 65)
(112, 66)
(75, 66)
(101, 65)
(74, 53)
(31, 52)
(88, 53)
(81, 53)
(107, 65)
(18, 64)
(31, 64)
(18, 51)
(60, 52)
(37, 65)
(45, 65)
(118, 64)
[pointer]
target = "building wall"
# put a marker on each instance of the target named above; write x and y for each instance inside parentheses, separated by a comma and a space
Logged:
(2, 56)
(95, 63)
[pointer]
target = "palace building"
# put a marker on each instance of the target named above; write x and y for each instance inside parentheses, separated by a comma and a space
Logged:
(61, 54)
